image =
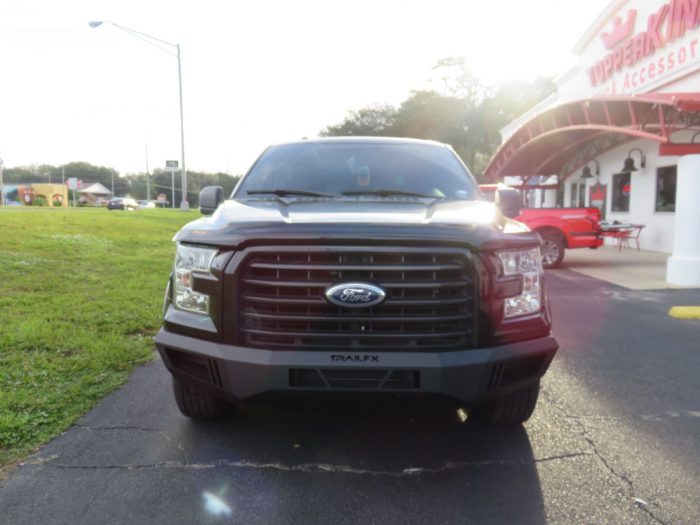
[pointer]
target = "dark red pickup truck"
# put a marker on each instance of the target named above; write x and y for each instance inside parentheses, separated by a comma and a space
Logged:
(560, 228)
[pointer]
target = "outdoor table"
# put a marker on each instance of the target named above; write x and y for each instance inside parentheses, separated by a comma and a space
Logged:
(621, 233)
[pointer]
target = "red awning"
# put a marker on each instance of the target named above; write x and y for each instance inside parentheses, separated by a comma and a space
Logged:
(563, 138)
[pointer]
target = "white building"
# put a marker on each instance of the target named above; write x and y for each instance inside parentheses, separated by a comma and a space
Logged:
(635, 94)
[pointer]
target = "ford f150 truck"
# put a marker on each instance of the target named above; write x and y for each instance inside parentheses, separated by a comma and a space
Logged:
(360, 266)
(560, 228)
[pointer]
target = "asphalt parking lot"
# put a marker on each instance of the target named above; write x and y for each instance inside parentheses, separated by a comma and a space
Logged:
(615, 439)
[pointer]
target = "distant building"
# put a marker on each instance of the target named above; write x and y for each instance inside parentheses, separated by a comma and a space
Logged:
(94, 195)
(34, 194)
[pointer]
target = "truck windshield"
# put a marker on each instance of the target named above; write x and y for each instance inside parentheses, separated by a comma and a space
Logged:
(360, 168)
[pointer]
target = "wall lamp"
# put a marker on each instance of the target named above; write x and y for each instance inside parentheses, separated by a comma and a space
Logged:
(586, 173)
(629, 166)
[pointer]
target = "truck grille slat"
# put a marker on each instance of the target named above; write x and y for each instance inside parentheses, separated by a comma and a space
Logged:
(331, 267)
(430, 301)
(332, 334)
(324, 285)
(286, 300)
(347, 318)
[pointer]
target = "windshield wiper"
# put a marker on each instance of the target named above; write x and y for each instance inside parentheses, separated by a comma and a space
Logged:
(284, 193)
(392, 193)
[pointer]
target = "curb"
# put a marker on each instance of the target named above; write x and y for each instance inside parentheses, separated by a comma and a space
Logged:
(685, 312)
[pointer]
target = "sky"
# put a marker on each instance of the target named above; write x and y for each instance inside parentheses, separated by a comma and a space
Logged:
(254, 72)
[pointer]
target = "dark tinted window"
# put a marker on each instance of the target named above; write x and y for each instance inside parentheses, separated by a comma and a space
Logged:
(622, 187)
(666, 189)
(334, 168)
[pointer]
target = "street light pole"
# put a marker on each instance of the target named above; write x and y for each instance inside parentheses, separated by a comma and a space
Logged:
(149, 39)
(184, 204)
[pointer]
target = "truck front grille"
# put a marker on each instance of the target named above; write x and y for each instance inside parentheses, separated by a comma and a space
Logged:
(430, 302)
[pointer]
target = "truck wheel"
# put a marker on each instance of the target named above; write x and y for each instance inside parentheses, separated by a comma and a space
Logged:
(552, 250)
(197, 403)
(511, 409)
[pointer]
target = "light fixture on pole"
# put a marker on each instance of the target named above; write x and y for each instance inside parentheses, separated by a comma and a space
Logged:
(629, 166)
(184, 205)
(586, 173)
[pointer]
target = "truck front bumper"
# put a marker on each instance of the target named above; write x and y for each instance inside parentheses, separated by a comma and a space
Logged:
(469, 376)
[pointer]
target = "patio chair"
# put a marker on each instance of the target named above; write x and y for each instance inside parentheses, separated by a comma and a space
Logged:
(622, 238)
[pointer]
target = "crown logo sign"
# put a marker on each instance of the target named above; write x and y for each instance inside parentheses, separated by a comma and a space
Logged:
(621, 30)
(598, 192)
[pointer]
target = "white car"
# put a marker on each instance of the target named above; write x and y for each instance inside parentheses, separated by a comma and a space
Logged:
(146, 204)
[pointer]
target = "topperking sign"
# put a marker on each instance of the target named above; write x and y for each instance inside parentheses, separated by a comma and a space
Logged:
(644, 52)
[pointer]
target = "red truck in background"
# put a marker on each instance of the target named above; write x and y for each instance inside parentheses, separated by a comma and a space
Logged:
(560, 228)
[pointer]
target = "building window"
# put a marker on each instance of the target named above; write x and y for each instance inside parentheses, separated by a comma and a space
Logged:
(581, 195)
(666, 189)
(560, 196)
(621, 189)
(578, 194)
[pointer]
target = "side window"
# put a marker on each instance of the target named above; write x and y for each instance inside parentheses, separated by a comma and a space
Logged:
(578, 195)
(621, 189)
(560, 196)
(666, 189)
(581, 195)
(573, 202)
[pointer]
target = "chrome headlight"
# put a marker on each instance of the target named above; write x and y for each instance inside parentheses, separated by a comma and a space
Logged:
(190, 259)
(528, 265)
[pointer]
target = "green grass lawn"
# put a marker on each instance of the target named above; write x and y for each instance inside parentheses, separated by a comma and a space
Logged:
(81, 293)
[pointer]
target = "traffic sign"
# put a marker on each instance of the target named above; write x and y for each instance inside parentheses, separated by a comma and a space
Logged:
(171, 164)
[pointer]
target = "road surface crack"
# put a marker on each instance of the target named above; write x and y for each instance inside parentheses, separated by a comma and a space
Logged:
(165, 435)
(318, 467)
(623, 477)
(119, 427)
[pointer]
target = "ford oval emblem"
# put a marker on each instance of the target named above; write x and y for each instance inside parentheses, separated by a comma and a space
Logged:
(355, 295)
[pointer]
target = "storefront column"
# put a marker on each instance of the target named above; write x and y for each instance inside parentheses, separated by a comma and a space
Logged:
(550, 198)
(683, 267)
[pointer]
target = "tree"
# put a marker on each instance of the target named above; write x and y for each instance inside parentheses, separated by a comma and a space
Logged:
(375, 120)
(161, 182)
(462, 112)
(133, 184)
(457, 81)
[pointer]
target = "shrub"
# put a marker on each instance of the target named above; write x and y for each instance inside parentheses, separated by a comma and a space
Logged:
(40, 201)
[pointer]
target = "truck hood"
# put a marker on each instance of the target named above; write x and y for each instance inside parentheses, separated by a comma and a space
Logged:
(234, 218)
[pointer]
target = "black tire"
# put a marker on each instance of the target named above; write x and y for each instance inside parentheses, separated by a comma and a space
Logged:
(197, 403)
(512, 409)
(552, 249)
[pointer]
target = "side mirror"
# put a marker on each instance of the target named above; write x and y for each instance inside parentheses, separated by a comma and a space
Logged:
(508, 200)
(209, 199)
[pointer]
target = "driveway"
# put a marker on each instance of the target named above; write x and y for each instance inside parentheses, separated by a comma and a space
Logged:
(615, 439)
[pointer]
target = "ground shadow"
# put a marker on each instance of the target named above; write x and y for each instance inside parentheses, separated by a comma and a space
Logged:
(396, 463)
